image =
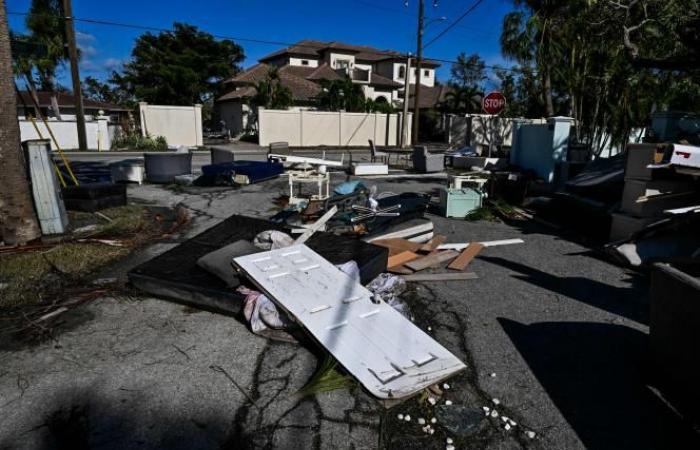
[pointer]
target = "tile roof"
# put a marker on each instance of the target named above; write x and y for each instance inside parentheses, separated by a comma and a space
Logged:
(378, 80)
(430, 97)
(290, 76)
(66, 100)
(314, 48)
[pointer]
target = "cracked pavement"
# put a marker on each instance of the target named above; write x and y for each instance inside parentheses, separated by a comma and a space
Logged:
(563, 331)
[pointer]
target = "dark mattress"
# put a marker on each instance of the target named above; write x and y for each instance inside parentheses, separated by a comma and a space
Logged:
(175, 274)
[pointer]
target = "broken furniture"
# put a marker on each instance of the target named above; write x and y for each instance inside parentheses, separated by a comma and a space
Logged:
(459, 202)
(376, 154)
(221, 155)
(426, 162)
(91, 197)
(674, 333)
(175, 274)
(298, 179)
(280, 152)
(465, 180)
(372, 168)
(46, 190)
(161, 167)
(390, 356)
(128, 170)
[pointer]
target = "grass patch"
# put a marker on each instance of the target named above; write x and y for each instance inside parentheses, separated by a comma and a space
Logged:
(34, 277)
(493, 211)
(327, 378)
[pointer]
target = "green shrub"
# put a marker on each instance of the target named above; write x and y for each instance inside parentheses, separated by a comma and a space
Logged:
(142, 143)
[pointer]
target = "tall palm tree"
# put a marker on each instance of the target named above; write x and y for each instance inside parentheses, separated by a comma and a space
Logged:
(18, 224)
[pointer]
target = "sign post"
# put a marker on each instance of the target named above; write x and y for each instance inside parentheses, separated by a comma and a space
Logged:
(493, 104)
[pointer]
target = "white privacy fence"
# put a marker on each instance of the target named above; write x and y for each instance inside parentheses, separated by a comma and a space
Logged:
(99, 132)
(314, 128)
(479, 131)
(179, 125)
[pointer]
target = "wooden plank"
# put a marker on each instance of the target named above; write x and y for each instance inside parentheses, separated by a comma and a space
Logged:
(431, 260)
(398, 244)
(401, 258)
(400, 270)
(462, 261)
(461, 246)
(388, 354)
(453, 276)
(317, 225)
(433, 243)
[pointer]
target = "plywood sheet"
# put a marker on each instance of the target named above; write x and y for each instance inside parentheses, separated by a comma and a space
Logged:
(389, 355)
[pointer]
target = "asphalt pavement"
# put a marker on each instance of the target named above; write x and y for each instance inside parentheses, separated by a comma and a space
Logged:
(552, 331)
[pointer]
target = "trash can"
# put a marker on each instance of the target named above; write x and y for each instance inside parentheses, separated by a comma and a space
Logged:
(163, 167)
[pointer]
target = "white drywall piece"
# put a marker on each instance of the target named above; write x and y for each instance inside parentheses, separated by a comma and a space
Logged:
(388, 354)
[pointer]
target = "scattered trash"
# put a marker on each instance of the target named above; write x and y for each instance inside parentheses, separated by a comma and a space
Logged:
(446, 386)
(496, 401)
(433, 420)
(494, 413)
(450, 447)
(507, 427)
(407, 418)
(486, 409)
(272, 240)
(459, 420)
(448, 402)
(432, 400)
(512, 422)
(421, 421)
(531, 434)
(400, 416)
(493, 375)
(449, 440)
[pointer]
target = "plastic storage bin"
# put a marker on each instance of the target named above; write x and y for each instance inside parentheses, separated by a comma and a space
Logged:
(459, 202)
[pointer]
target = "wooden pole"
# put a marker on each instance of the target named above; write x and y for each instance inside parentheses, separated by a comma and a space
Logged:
(75, 75)
(419, 60)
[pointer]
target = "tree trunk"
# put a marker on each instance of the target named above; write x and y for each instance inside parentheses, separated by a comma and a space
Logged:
(18, 223)
(547, 91)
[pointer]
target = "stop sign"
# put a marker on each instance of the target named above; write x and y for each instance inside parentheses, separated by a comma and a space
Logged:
(494, 102)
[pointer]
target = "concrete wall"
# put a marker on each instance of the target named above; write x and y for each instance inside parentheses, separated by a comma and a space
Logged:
(180, 125)
(314, 128)
(100, 133)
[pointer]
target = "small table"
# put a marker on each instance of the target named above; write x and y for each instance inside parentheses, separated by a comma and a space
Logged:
(309, 177)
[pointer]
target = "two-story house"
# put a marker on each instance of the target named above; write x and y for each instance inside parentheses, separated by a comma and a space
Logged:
(301, 67)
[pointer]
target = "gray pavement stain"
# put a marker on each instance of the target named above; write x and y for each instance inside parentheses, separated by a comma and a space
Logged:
(131, 372)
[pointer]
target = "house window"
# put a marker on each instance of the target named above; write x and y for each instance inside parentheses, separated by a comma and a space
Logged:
(402, 72)
(426, 73)
(342, 63)
(304, 62)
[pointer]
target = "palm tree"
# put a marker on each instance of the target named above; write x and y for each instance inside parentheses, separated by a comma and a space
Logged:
(271, 93)
(463, 100)
(18, 224)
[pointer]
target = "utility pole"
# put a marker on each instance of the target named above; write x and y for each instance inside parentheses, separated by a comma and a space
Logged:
(406, 96)
(75, 74)
(419, 60)
(18, 223)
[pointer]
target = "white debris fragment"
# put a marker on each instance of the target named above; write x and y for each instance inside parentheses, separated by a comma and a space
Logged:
(493, 375)
(512, 422)
(496, 401)
(531, 434)
(448, 402)
(430, 329)
(407, 418)
(432, 400)
(486, 408)
(433, 420)
(494, 413)
(449, 440)
(507, 427)
(504, 418)
(450, 447)
(421, 421)
(446, 386)
(431, 431)
(400, 416)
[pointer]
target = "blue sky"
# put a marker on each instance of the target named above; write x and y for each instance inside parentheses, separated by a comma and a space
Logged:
(386, 24)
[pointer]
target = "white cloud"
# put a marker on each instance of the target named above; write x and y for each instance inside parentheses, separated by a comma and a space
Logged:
(84, 37)
(112, 64)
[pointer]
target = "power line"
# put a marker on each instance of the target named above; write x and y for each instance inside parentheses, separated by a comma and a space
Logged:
(450, 26)
(236, 38)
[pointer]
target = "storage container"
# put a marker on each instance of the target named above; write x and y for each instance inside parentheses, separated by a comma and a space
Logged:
(459, 202)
